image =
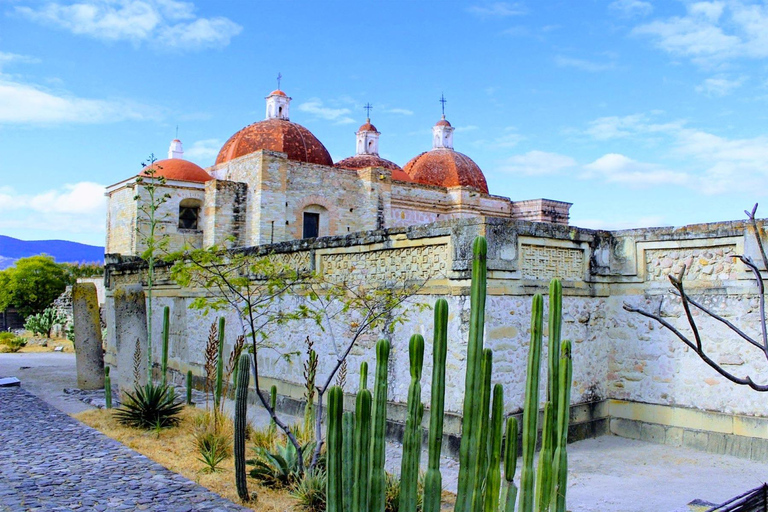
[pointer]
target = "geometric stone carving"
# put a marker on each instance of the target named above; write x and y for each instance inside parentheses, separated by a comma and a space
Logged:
(388, 265)
(541, 262)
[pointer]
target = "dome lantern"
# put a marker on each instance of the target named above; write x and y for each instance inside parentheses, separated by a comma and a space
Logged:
(277, 105)
(442, 134)
(175, 150)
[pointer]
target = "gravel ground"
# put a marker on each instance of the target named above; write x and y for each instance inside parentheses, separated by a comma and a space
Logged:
(608, 474)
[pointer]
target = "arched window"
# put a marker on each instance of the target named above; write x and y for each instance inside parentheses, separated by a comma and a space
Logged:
(189, 213)
(314, 221)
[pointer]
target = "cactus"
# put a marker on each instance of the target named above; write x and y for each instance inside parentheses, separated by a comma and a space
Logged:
(272, 405)
(531, 408)
(364, 375)
(510, 464)
(310, 372)
(493, 476)
(241, 413)
(544, 471)
(378, 484)
(107, 388)
(433, 482)
(348, 454)
(219, 367)
(481, 467)
(362, 450)
(470, 424)
(164, 360)
(560, 466)
(334, 488)
(189, 387)
(553, 342)
(409, 472)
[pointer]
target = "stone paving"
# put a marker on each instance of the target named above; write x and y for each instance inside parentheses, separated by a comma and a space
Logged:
(51, 462)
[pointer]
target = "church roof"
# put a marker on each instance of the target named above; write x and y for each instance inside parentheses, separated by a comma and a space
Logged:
(277, 92)
(363, 161)
(276, 135)
(180, 170)
(446, 168)
(368, 127)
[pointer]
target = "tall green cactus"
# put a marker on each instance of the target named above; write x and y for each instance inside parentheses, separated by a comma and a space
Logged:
(470, 424)
(334, 488)
(273, 404)
(531, 409)
(360, 489)
(219, 368)
(560, 470)
(481, 468)
(364, 375)
(510, 464)
(107, 388)
(164, 360)
(544, 471)
(433, 482)
(409, 472)
(348, 454)
(493, 476)
(241, 417)
(378, 482)
(189, 387)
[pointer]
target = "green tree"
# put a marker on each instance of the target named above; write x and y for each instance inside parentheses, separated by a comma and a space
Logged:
(32, 284)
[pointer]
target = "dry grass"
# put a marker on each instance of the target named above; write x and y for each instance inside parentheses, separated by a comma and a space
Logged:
(35, 343)
(175, 448)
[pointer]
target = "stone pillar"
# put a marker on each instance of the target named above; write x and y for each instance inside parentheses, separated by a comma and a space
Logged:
(130, 336)
(89, 353)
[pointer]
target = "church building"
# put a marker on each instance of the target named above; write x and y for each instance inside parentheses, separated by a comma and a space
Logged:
(274, 181)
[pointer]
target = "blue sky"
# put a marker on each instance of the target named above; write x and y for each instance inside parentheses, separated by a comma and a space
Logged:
(640, 113)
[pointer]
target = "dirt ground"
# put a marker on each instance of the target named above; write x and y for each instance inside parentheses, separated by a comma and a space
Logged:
(607, 474)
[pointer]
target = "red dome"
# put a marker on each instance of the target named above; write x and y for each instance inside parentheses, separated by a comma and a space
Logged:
(368, 127)
(276, 135)
(179, 169)
(362, 161)
(446, 168)
(277, 92)
(443, 122)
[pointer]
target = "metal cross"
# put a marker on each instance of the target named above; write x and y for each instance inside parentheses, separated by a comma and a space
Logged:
(368, 108)
(279, 77)
(443, 101)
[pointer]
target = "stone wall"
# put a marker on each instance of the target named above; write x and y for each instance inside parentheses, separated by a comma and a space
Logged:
(619, 357)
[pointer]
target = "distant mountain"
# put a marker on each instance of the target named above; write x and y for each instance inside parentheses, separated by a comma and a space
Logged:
(62, 251)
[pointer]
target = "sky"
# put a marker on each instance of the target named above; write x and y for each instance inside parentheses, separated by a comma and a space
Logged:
(639, 113)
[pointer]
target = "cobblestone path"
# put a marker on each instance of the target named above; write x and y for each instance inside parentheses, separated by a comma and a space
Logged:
(51, 462)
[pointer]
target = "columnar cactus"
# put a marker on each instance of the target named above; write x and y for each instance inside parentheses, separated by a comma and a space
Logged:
(378, 483)
(493, 476)
(273, 405)
(164, 360)
(470, 424)
(531, 410)
(241, 416)
(362, 450)
(348, 454)
(219, 367)
(510, 464)
(560, 467)
(544, 471)
(433, 482)
(409, 472)
(107, 388)
(189, 387)
(334, 488)
(364, 375)
(481, 467)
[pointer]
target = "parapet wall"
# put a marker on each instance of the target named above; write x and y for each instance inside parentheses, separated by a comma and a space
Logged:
(618, 356)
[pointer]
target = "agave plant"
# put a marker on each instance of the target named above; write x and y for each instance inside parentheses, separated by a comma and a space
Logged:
(309, 491)
(279, 468)
(150, 406)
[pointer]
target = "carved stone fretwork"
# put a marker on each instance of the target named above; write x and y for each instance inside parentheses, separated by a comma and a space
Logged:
(407, 264)
(542, 262)
(298, 261)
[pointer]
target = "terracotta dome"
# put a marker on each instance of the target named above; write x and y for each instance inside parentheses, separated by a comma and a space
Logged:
(367, 127)
(277, 92)
(446, 168)
(276, 135)
(180, 170)
(442, 122)
(363, 161)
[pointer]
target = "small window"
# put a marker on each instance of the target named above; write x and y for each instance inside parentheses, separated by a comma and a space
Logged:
(311, 225)
(188, 217)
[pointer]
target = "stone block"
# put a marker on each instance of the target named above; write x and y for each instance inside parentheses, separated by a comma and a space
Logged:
(674, 436)
(130, 336)
(652, 433)
(738, 446)
(89, 354)
(625, 428)
(759, 451)
(716, 443)
(695, 439)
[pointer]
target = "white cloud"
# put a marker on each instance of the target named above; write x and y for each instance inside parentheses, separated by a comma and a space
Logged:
(468, 128)
(83, 197)
(720, 85)
(400, 111)
(584, 65)
(163, 23)
(498, 10)
(7, 58)
(203, 150)
(537, 163)
(29, 104)
(614, 127)
(712, 32)
(616, 168)
(631, 8)
(315, 107)
(509, 138)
